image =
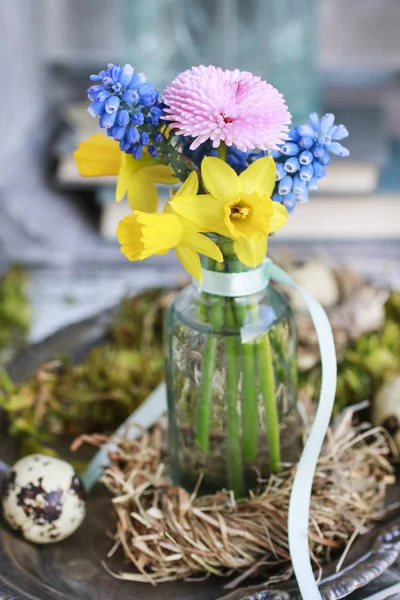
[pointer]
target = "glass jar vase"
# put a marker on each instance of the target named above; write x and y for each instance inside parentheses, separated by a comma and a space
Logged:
(231, 372)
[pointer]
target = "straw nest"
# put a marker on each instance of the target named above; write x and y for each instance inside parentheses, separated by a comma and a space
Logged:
(169, 534)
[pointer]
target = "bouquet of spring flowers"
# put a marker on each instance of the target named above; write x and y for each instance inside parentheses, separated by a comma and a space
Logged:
(224, 136)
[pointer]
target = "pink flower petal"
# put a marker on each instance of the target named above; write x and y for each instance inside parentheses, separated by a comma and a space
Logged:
(234, 107)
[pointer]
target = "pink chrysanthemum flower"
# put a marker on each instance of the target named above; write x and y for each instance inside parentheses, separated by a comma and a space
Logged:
(234, 107)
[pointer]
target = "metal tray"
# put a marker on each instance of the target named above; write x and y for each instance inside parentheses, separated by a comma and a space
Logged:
(73, 570)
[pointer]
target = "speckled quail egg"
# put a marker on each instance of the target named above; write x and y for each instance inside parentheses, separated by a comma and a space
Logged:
(43, 498)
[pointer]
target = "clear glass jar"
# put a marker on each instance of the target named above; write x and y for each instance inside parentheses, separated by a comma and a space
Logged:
(231, 369)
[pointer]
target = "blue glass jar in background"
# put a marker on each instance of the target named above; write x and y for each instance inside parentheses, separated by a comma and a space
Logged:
(271, 38)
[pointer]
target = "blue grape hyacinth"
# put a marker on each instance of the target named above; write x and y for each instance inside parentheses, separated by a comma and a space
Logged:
(301, 161)
(128, 108)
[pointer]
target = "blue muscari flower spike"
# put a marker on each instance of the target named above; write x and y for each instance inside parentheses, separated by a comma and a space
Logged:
(137, 151)
(130, 96)
(303, 158)
(325, 159)
(306, 142)
(152, 150)
(292, 165)
(144, 138)
(133, 135)
(152, 120)
(298, 185)
(119, 133)
(123, 118)
(96, 108)
(314, 121)
(112, 104)
(319, 170)
(290, 149)
(107, 120)
(289, 200)
(138, 118)
(128, 108)
(285, 185)
(306, 172)
(280, 171)
(318, 151)
(306, 157)
(312, 184)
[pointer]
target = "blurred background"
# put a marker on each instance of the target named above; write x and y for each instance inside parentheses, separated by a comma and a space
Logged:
(324, 55)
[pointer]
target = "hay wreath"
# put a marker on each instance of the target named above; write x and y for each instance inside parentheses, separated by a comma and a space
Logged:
(169, 534)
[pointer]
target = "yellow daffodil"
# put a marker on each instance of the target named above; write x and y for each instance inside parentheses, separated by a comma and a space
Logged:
(142, 235)
(100, 156)
(239, 207)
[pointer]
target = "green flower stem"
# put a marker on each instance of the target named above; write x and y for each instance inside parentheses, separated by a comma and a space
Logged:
(267, 384)
(203, 309)
(206, 391)
(170, 155)
(222, 151)
(250, 426)
(234, 458)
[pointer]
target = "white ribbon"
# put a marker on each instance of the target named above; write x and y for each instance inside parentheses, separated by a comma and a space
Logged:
(300, 497)
(235, 285)
(240, 284)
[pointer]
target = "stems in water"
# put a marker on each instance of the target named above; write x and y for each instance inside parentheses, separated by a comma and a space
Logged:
(206, 386)
(250, 425)
(234, 459)
(267, 384)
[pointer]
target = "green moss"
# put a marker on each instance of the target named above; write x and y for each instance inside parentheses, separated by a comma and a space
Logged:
(367, 363)
(97, 395)
(15, 314)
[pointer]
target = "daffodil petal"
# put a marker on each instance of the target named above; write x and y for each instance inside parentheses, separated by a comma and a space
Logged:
(280, 216)
(251, 252)
(205, 211)
(220, 179)
(124, 177)
(142, 193)
(98, 156)
(259, 177)
(161, 174)
(139, 182)
(191, 261)
(168, 208)
(190, 186)
(188, 226)
(202, 244)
